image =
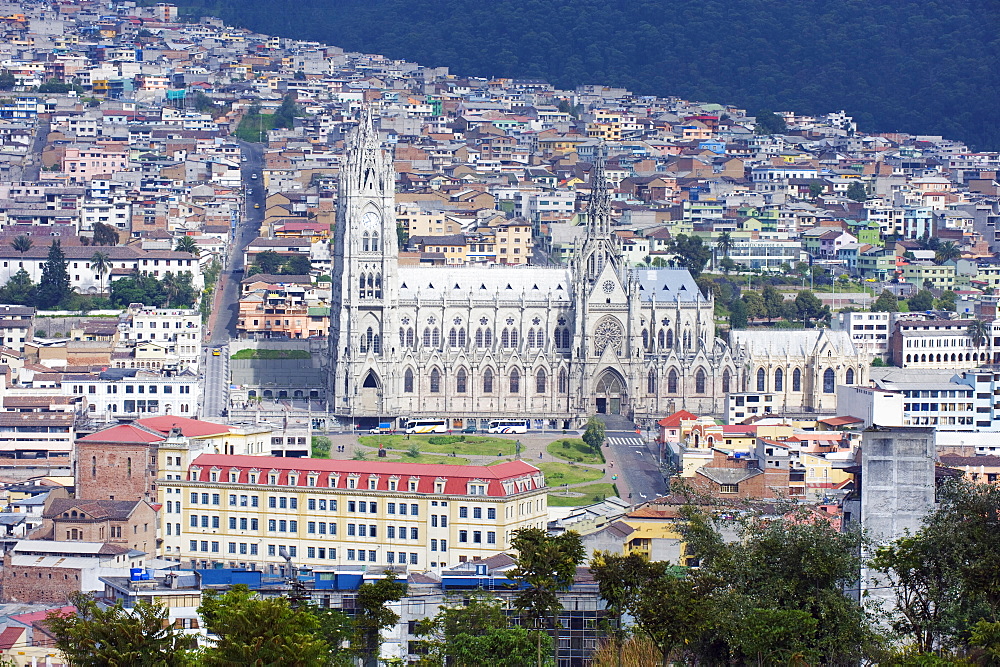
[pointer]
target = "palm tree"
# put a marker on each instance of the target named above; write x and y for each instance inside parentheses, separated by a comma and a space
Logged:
(170, 289)
(947, 250)
(100, 262)
(723, 244)
(979, 332)
(22, 243)
(187, 244)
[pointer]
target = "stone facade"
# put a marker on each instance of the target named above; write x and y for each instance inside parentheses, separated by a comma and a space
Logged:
(118, 463)
(471, 343)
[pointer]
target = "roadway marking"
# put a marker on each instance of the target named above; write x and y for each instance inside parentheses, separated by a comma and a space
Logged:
(626, 442)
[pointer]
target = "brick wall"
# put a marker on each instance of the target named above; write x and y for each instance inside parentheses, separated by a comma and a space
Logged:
(115, 471)
(38, 584)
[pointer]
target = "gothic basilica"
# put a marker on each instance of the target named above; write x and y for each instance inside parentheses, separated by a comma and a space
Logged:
(471, 343)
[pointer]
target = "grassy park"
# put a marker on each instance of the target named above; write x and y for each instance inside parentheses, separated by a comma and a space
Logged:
(582, 495)
(460, 445)
(574, 449)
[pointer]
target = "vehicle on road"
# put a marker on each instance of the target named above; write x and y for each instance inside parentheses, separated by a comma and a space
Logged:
(244, 158)
(253, 176)
(426, 426)
(508, 426)
(256, 205)
(216, 352)
(471, 428)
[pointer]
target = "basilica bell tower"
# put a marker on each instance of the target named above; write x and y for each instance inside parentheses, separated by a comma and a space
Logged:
(365, 281)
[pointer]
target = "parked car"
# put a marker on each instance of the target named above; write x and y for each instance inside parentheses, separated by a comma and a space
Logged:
(470, 429)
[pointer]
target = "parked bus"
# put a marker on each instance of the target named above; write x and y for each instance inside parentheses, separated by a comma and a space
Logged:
(508, 426)
(427, 426)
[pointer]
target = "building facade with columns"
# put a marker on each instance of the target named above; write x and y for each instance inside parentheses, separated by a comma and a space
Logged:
(551, 343)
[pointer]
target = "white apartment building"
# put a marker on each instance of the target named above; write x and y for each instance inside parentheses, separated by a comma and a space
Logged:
(132, 393)
(938, 344)
(177, 330)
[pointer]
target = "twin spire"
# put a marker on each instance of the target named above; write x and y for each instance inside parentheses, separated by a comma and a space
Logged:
(599, 210)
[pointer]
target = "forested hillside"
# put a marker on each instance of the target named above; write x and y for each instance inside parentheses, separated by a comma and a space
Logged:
(928, 67)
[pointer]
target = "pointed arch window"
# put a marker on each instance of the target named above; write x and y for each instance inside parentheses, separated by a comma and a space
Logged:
(796, 380)
(670, 338)
(645, 339)
(453, 337)
(513, 337)
(850, 376)
(725, 381)
(365, 242)
(462, 338)
(829, 381)
(375, 242)
(377, 344)
(402, 337)
(699, 381)
(505, 339)
(479, 337)
(435, 381)
(378, 285)
(672, 381)
(563, 381)
(427, 337)
(408, 381)
(436, 338)
(410, 342)
(651, 382)
(779, 380)
(515, 381)
(488, 337)
(461, 381)
(488, 381)
(661, 339)
(531, 338)
(540, 381)
(761, 379)
(362, 281)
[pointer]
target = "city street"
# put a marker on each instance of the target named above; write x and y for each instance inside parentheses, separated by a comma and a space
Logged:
(215, 383)
(636, 464)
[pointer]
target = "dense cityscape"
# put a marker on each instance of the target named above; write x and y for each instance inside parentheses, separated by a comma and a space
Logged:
(315, 357)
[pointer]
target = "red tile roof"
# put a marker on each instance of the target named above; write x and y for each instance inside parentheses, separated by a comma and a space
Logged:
(123, 433)
(190, 428)
(456, 477)
(9, 637)
(674, 420)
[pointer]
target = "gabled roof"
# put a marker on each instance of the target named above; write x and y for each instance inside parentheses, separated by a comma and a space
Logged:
(675, 419)
(123, 433)
(190, 428)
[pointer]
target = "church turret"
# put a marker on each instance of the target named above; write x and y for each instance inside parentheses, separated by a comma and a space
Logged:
(365, 269)
(598, 248)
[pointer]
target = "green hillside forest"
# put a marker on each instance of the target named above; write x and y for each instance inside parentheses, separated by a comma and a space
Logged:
(928, 67)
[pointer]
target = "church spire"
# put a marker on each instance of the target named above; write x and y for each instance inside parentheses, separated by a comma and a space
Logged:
(599, 210)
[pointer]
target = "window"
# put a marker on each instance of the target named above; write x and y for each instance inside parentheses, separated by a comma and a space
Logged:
(463, 512)
(488, 381)
(699, 381)
(408, 381)
(414, 510)
(540, 381)
(477, 512)
(850, 376)
(461, 381)
(463, 536)
(729, 488)
(390, 508)
(515, 381)
(672, 381)
(796, 380)
(435, 381)
(491, 537)
(761, 379)
(779, 380)
(477, 537)
(829, 380)
(563, 381)
(651, 382)
(491, 513)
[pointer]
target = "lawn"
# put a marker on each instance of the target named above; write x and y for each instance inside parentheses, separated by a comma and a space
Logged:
(583, 495)
(426, 458)
(574, 449)
(557, 474)
(461, 445)
(271, 354)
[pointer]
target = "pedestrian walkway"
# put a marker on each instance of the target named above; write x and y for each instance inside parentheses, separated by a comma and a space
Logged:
(627, 442)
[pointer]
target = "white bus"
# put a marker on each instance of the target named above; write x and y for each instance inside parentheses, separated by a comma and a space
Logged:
(427, 426)
(508, 426)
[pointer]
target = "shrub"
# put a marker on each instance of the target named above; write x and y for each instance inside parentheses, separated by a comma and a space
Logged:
(445, 439)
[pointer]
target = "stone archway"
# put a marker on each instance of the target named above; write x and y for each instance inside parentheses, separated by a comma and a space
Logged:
(610, 393)
(371, 393)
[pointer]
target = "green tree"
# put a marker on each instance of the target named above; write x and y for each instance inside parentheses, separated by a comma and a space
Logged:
(260, 631)
(947, 251)
(979, 331)
(948, 300)
(754, 302)
(673, 609)
(296, 265)
(53, 286)
(19, 290)
(321, 447)
(22, 243)
(137, 289)
(100, 262)
(856, 191)
(594, 435)
(268, 261)
(886, 303)
(96, 636)
(810, 309)
(774, 302)
(816, 188)
(768, 122)
(373, 616)
(105, 234)
(546, 566)
(690, 252)
(922, 300)
(727, 265)
(620, 580)
(738, 315)
(187, 244)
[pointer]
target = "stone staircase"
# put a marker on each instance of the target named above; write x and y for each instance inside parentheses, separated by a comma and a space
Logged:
(617, 423)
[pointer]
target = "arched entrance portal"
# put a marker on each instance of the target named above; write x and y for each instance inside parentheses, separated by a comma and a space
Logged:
(610, 393)
(371, 394)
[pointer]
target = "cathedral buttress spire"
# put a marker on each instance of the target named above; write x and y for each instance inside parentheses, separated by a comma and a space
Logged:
(599, 210)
